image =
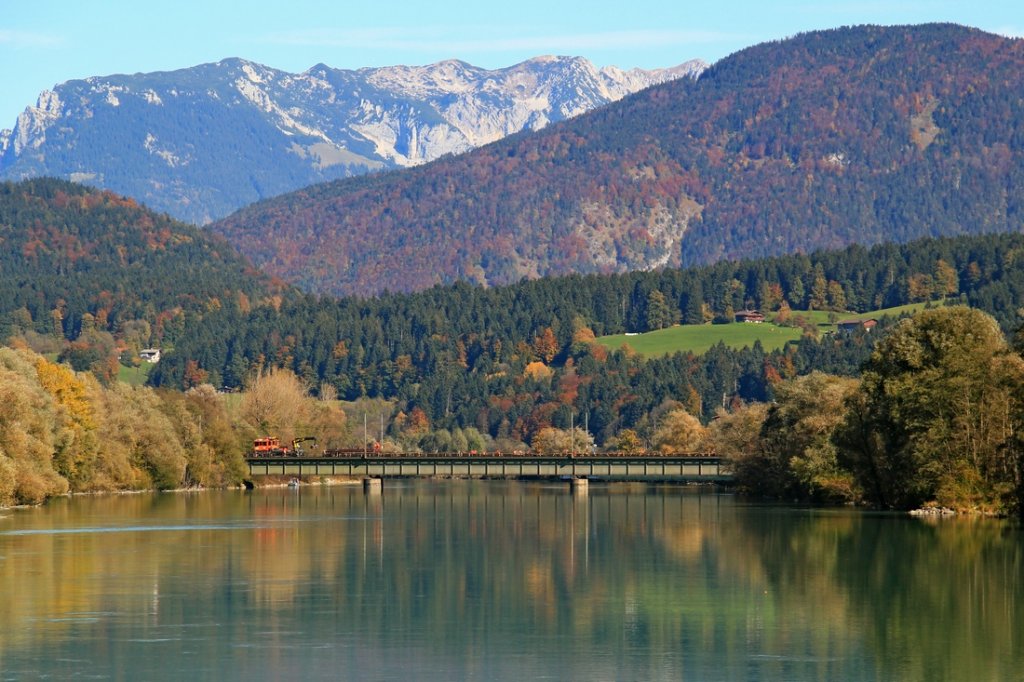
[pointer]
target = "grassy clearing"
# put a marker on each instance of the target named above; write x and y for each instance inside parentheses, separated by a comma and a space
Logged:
(893, 312)
(700, 338)
(136, 376)
(822, 317)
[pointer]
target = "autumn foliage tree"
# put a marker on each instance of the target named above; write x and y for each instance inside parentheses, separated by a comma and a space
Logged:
(274, 403)
(629, 442)
(62, 430)
(28, 434)
(936, 416)
(95, 352)
(75, 411)
(545, 345)
(797, 458)
(679, 431)
(551, 441)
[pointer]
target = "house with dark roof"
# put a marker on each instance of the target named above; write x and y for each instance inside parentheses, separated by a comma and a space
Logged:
(752, 316)
(853, 325)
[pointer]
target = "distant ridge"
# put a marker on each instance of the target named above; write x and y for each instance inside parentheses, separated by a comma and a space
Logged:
(75, 257)
(854, 135)
(201, 142)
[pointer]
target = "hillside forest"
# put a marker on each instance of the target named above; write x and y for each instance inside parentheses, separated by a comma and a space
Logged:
(465, 367)
(860, 135)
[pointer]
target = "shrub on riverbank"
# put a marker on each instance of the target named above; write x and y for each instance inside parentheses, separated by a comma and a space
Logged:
(61, 431)
(29, 435)
(933, 421)
(785, 450)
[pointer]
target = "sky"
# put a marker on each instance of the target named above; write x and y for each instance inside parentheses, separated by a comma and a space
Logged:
(46, 42)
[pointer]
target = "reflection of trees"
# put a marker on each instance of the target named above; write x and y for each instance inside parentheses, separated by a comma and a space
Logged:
(659, 583)
(932, 602)
(947, 600)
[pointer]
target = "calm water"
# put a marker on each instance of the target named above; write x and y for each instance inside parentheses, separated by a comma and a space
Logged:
(493, 580)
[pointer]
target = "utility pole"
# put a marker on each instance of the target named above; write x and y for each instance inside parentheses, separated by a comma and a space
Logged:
(572, 437)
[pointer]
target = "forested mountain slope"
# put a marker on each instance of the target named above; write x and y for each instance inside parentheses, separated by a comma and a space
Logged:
(204, 141)
(510, 360)
(854, 135)
(74, 256)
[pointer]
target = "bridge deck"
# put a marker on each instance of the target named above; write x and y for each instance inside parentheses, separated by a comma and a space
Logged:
(681, 468)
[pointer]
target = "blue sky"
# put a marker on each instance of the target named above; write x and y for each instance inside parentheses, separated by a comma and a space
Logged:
(45, 42)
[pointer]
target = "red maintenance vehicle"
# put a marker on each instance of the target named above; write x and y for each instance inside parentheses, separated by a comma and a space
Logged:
(270, 446)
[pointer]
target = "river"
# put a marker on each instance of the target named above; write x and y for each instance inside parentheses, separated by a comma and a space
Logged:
(489, 580)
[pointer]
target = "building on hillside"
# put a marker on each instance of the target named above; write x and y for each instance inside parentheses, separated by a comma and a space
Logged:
(151, 355)
(752, 316)
(853, 325)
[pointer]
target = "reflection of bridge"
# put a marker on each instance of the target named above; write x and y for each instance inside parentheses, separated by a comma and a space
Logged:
(678, 468)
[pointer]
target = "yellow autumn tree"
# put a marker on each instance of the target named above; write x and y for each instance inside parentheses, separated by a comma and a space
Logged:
(77, 445)
(552, 441)
(28, 433)
(274, 404)
(538, 370)
(141, 447)
(947, 282)
(327, 422)
(629, 442)
(212, 451)
(680, 431)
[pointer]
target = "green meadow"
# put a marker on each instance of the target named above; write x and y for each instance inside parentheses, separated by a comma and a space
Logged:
(136, 376)
(699, 338)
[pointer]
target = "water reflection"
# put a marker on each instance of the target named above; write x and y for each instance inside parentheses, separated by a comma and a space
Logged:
(475, 580)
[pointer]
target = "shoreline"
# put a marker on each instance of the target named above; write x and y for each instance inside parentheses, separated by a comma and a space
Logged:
(283, 483)
(924, 513)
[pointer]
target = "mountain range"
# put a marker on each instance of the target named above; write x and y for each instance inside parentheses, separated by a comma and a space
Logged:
(855, 135)
(201, 142)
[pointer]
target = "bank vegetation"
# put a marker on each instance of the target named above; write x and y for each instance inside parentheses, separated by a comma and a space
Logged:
(63, 431)
(935, 419)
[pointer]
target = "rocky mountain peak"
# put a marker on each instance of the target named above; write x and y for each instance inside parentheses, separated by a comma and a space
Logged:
(30, 130)
(201, 142)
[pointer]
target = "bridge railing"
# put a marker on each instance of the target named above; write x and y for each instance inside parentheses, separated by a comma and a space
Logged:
(683, 466)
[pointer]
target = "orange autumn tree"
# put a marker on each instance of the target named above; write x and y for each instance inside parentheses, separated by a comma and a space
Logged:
(545, 345)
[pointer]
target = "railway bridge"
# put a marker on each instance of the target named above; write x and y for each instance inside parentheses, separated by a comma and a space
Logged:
(680, 468)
